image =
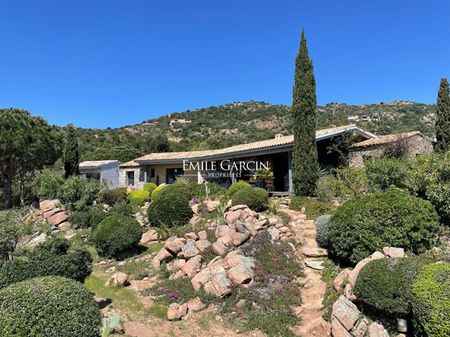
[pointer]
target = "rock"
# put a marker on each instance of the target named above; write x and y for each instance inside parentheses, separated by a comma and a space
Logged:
(64, 226)
(337, 330)
(360, 328)
(221, 285)
(225, 234)
(219, 248)
(51, 212)
(284, 229)
(240, 238)
(251, 229)
(176, 311)
(37, 240)
(258, 225)
(341, 279)
(195, 304)
(57, 218)
(233, 216)
(189, 250)
(118, 279)
(235, 258)
(203, 235)
(191, 236)
(273, 220)
(348, 292)
(238, 207)
(192, 266)
(345, 312)
(240, 274)
(149, 236)
(162, 256)
(274, 234)
(174, 245)
(47, 205)
(177, 275)
(176, 265)
(394, 252)
(211, 205)
(314, 264)
(195, 220)
(201, 278)
(240, 304)
(203, 245)
(196, 208)
(377, 330)
(313, 252)
(354, 273)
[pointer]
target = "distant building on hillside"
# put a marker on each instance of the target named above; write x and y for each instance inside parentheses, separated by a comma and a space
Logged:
(105, 171)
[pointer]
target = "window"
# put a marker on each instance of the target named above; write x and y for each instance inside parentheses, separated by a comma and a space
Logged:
(130, 178)
(152, 173)
(172, 174)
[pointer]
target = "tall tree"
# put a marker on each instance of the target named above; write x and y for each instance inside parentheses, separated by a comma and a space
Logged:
(305, 158)
(443, 118)
(27, 144)
(71, 153)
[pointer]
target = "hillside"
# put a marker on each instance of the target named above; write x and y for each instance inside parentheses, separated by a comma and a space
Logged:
(241, 122)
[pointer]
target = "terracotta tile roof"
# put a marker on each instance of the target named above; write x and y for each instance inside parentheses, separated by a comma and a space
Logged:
(93, 164)
(386, 139)
(264, 144)
(130, 163)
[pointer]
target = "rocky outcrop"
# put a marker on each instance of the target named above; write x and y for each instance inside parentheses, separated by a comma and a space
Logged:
(54, 213)
(118, 279)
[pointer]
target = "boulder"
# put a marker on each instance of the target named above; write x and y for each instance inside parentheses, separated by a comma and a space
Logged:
(64, 226)
(203, 235)
(201, 278)
(394, 252)
(174, 245)
(195, 304)
(235, 258)
(313, 252)
(191, 236)
(341, 279)
(273, 220)
(176, 311)
(258, 225)
(221, 285)
(315, 264)
(355, 272)
(47, 205)
(162, 256)
(196, 208)
(249, 226)
(38, 240)
(149, 236)
(192, 266)
(337, 330)
(240, 274)
(274, 234)
(57, 218)
(203, 245)
(219, 248)
(360, 328)
(240, 238)
(211, 205)
(345, 312)
(377, 330)
(189, 250)
(51, 212)
(225, 234)
(233, 216)
(176, 265)
(118, 279)
(238, 207)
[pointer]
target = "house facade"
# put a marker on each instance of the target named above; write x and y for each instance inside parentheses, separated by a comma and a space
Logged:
(105, 171)
(240, 162)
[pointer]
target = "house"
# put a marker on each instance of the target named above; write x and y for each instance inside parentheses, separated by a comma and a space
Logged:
(105, 171)
(239, 162)
(408, 144)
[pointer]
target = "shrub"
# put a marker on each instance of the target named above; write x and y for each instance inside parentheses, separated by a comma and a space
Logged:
(385, 172)
(368, 223)
(255, 198)
(9, 235)
(149, 187)
(431, 305)
(169, 209)
(52, 258)
(385, 284)
(122, 208)
(88, 218)
(314, 207)
(77, 193)
(48, 306)
(115, 196)
(184, 190)
(429, 178)
(352, 181)
(322, 229)
(199, 190)
(156, 191)
(327, 188)
(47, 184)
(236, 187)
(138, 198)
(115, 235)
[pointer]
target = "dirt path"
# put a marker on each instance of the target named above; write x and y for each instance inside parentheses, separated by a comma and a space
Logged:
(312, 324)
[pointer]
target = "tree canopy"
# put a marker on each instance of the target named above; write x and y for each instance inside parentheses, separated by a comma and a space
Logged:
(443, 117)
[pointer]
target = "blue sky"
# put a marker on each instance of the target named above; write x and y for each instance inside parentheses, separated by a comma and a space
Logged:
(100, 63)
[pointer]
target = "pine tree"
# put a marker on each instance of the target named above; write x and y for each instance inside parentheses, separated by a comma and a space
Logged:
(71, 153)
(443, 118)
(305, 158)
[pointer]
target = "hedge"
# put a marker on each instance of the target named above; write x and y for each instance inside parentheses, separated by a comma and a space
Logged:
(115, 235)
(48, 306)
(368, 223)
(257, 199)
(170, 208)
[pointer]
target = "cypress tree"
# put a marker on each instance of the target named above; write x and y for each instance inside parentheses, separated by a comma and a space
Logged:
(305, 158)
(71, 153)
(443, 118)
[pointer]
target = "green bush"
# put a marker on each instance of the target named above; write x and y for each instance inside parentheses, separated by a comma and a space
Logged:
(47, 184)
(352, 181)
(48, 306)
(138, 198)
(385, 172)
(88, 218)
(322, 223)
(115, 235)
(184, 190)
(149, 187)
(327, 188)
(431, 305)
(77, 193)
(236, 187)
(52, 258)
(9, 235)
(314, 207)
(156, 191)
(368, 223)
(112, 197)
(123, 208)
(429, 178)
(385, 284)
(170, 208)
(215, 190)
(257, 199)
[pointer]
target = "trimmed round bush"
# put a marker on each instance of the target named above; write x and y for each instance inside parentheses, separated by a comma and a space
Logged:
(257, 199)
(368, 223)
(149, 187)
(138, 197)
(236, 187)
(431, 306)
(184, 190)
(322, 223)
(115, 196)
(116, 234)
(156, 191)
(88, 218)
(169, 209)
(48, 306)
(385, 284)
